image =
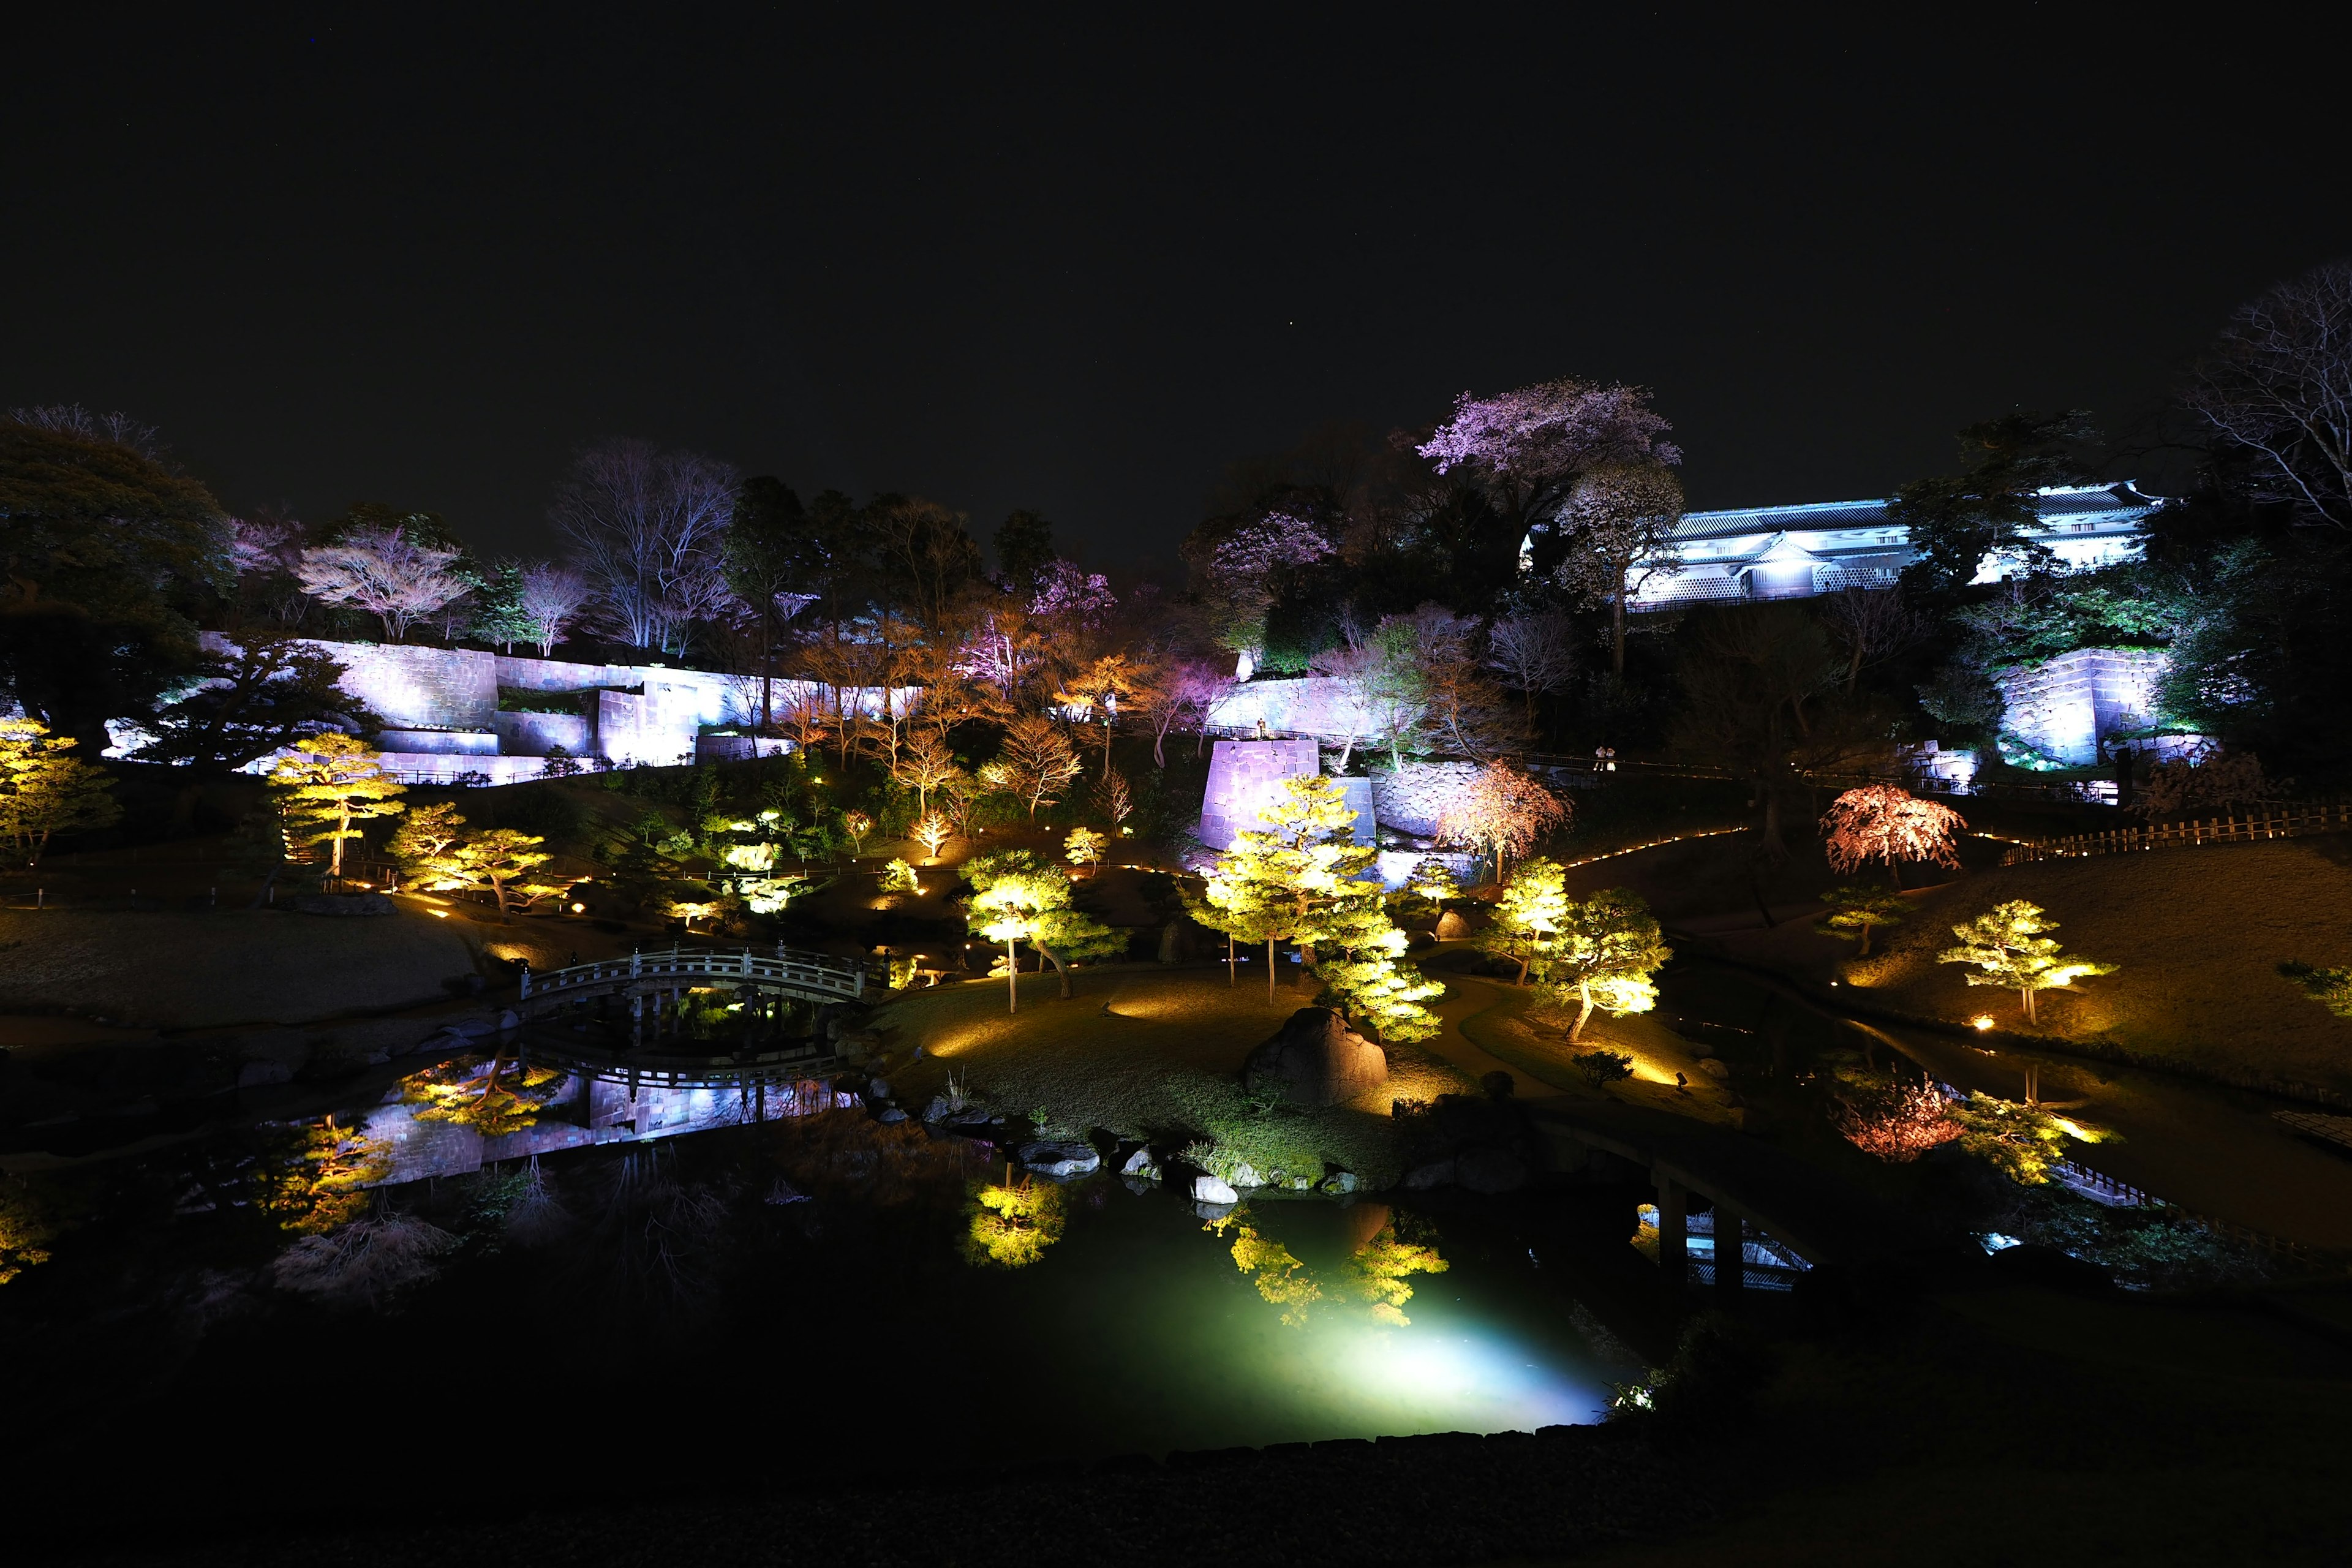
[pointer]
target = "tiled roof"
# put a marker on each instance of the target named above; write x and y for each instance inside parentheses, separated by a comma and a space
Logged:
(2119, 505)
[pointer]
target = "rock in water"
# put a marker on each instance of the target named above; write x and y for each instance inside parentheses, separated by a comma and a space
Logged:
(1140, 1164)
(1316, 1060)
(1057, 1159)
(1209, 1190)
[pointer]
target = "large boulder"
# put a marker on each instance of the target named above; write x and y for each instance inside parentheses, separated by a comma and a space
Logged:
(1315, 1061)
(1053, 1157)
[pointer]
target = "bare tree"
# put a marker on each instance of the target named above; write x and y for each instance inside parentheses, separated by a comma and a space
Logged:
(1620, 521)
(1869, 625)
(2279, 387)
(384, 572)
(73, 419)
(1535, 654)
(647, 525)
(552, 599)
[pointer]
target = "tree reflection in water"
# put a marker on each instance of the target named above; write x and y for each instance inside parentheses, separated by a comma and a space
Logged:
(1012, 1225)
(1375, 1272)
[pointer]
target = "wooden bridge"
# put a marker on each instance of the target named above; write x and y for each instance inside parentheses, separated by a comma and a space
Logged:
(663, 978)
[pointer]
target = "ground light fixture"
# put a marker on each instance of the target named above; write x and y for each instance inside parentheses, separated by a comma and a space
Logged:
(1981, 1021)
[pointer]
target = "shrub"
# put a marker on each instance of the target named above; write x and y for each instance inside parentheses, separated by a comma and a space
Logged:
(1603, 1068)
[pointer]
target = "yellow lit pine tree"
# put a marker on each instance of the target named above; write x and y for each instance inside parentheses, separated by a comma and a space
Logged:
(1530, 917)
(502, 861)
(491, 1101)
(2009, 948)
(1609, 946)
(324, 1187)
(330, 783)
(43, 792)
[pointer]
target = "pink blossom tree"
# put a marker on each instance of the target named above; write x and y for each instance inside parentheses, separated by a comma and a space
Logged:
(1527, 448)
(1888, 822)
(1070, 597)
(384, 572)
(1500, 811)
(1244, 573)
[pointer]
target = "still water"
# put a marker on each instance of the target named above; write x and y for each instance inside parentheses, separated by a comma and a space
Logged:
(795, 1298)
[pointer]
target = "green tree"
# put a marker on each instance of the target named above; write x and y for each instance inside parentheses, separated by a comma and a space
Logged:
(1531, 918)
(248, 698)
(1954, 521)
(43, 792)
(104, 555)
(1024, 547)
(426, 833)
(1016, 898)
(1857, 911)
(1609, 946)
(1272, 882)
(2008, 947)
(505, 861)
(773, 557)
(330, 783)
(497, 607)
(1359, 953)
(2331, 989)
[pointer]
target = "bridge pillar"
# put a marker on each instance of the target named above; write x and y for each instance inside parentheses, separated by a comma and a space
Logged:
(1674, 1247)
(1730, 1255)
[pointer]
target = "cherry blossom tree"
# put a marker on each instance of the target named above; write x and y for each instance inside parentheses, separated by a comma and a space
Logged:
(1888, 822)
(552, 599)
(1899, 1124)
(1527, 448)
(1069, 597)
(385, 572)
(1246, 570)
(648, 526)
(1500, 811)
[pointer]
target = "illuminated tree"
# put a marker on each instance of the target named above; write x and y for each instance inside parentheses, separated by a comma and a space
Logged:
(1609, 946)
(326, 1184)
(1242, 578)
(1272, 882)
(1011, 1225)
(551, 599)
(384, 571)
(2331, 989)
(1282, 1281)
(897, 877)
(1084, 848)
(1018, 898)
(1115, 800)
(27, 1224)
(1530, 917)
(1899, 1124)
(424, 833)
(330, 783)
(1527, 449)
(1888, 822)
(1358, 952)
(857, 824)
(931, 832)
(924, 764)
(43, 792)
(2024, 1142)
(1500, 811)
(648, 526)
(2203, 781)
(2009, 948)
(1099, 688)
(1035, 764)
(1855, 912)
(503, 861)
(692, 910)
(487, 1099)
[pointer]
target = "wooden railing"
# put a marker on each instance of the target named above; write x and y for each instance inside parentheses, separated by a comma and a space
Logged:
(788, 970)
(2258, 823)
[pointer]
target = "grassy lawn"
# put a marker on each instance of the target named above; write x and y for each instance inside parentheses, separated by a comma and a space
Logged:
(1133, 1052)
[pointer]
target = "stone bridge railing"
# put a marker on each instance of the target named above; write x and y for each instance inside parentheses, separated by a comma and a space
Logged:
(815, 975)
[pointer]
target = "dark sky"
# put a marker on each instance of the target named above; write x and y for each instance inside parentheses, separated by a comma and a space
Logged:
(416, 256)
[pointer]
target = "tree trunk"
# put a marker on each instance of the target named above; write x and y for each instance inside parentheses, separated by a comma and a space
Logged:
(2027, 992)
(1269, 970)
(1233, 964)
(1060, 969)
(1865, 940)
(1617, 629)
(1011, 976)
(1576, 1030)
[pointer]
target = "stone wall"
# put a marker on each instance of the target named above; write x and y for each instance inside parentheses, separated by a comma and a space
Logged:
(2067, 705)
(420, 687)
(1243, 775)
(1411, 801)
(442, 743)
(538, 734)
(1310, 705)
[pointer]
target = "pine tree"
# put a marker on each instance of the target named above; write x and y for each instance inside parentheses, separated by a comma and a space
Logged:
(329, 783)
(424, 833)
(1857, 911)
(1609, 946)
(1271, 883)
(503, 861)
(493, 1102)
(1357, 956)
(1016, 898)
(2007, 947)
(1529, 918)
(43, 792)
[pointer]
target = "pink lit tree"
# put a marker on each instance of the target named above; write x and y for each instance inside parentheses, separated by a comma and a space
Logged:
(383, 571)
(1888, 822)
(1527, 449)
(1500, 811)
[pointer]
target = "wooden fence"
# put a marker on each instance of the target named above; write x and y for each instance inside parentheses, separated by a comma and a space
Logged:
(2284, 821)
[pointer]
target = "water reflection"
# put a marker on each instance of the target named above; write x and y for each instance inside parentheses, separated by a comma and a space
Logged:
(1374, 1274)
(1013, 1224)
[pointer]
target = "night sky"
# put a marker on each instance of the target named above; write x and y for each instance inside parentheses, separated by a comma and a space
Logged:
(414, 256)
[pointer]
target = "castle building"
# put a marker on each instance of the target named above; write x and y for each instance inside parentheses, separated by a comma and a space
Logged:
(1796, 551)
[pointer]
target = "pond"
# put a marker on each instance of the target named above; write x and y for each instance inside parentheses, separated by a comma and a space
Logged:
(814, 1295)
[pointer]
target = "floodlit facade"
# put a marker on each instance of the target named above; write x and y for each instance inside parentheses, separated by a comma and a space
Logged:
(1797, 551)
